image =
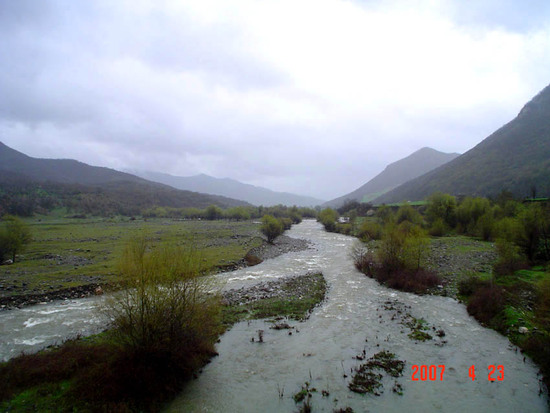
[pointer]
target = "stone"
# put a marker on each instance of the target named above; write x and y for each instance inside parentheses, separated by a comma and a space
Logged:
(523, 330)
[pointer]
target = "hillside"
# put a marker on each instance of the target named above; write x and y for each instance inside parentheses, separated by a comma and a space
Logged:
(515, 158)
(66, 171)
(29, 184)
(254, 195)
(414, 165)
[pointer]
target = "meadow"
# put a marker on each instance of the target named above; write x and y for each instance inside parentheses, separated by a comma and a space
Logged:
(70, 252)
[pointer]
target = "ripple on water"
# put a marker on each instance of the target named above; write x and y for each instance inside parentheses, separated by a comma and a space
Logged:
(31, 322)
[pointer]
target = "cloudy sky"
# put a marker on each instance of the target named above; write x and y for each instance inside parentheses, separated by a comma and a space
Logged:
(313, 97)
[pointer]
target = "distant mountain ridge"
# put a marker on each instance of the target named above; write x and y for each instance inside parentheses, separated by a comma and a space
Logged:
(254, 195)
(99, 185)
(395, 174)
(515, 158)
(67, 171)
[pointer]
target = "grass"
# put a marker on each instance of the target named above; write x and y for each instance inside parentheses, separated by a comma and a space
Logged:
(298, 307)
(70, 252)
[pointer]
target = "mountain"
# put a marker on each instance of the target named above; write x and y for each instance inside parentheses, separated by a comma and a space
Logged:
(229, 187)
(414, 165)
(71, 183)
(67, 171)
(515, 158)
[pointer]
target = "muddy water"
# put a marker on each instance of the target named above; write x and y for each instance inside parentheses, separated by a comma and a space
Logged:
(250, 376)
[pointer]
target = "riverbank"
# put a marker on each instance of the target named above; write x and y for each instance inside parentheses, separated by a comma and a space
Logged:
(19, 294)
(52, 379)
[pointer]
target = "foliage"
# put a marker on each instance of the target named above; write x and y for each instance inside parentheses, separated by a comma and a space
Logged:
(213, 212)
(237, 214)
(408, 213)
(271, 227)
(370, 230)
(166, 305)
(441, 207)
(510, 258)
(14, 236)
(328, 217)
(486, 302)
(286, 222)
(469, 212)
(384, 215)
(399, 259)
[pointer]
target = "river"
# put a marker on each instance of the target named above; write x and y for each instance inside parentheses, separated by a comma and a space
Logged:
(251, 377)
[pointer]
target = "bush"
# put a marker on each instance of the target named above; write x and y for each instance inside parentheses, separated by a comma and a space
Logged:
(406, 280)
(328, 218)
(271, 227)
(286, 222)
(409, 214)
(438, 228)
(510, 258)
(14, 236)
(486, 303)
(166, 305)
(213, 212)
(442, 208)
(469, 284)
(370, 230)
(363, 259)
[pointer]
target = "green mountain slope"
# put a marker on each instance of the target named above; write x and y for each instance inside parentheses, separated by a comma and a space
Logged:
(515, 158)
(414, 165)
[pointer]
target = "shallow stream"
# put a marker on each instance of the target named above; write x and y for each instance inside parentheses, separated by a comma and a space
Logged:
(358, 316)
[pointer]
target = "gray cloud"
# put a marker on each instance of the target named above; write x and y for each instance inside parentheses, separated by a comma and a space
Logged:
(274, 95)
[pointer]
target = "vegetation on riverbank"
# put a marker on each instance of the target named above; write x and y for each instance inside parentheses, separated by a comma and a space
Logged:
(71, 252)
(491, 254)
(104, 373)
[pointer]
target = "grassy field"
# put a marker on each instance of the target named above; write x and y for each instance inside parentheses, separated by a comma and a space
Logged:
(68, 252)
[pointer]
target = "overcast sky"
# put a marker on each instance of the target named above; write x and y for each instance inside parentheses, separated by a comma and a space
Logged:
(313, 97)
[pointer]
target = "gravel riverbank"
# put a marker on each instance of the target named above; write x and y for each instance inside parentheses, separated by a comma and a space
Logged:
(282, 245)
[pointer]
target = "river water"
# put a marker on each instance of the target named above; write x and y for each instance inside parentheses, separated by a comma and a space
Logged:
(356, 317)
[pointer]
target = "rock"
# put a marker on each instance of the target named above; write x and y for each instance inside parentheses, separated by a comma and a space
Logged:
(523, 330)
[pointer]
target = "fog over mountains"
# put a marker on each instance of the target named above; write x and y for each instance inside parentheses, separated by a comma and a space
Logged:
(254, 195)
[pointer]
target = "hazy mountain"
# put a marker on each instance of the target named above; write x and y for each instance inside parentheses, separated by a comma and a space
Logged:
(229, 187)
(414, 165)
(76, 181)
(515, 158)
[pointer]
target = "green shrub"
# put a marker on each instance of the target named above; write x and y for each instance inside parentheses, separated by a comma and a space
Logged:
(14, 236)
(271, 227)
(438, 228)
(510, 258)
(370, 230)
(328, 217)
(286, 222)
(441, 207)
(166, 305)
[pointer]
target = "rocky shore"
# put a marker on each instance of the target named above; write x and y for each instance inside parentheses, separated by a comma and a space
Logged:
(71, 293)
(282, 245)
(282, 289)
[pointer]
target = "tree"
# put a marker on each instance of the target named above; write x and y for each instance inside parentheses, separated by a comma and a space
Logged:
(441, 207)
(328, 218)
(14, 236)
(271, 227)
(166, 306)
(213, 212)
